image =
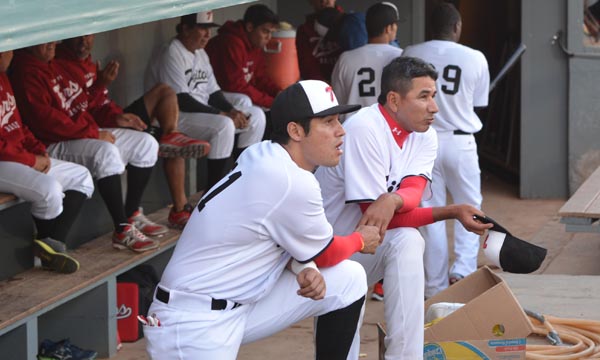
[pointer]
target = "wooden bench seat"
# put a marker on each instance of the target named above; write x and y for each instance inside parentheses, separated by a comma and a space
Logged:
(582, 211)
(82, 305)
(8, 200)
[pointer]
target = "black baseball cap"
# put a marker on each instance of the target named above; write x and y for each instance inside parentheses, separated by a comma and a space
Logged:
(305, 100)
(510, 253)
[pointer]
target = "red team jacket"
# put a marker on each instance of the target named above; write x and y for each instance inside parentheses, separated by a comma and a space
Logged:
(102, 108)
(17, 143)
(238, 67)
(54, 106)
(316, 57)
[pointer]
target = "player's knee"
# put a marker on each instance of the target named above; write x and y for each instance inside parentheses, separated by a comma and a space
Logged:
(49, 203)
(406, 242)
(354, 277)
(107, 161)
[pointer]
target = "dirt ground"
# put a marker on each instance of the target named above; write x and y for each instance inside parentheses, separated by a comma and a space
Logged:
(526, 219)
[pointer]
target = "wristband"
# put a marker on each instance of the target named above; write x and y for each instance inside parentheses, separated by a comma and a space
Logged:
(298, 267)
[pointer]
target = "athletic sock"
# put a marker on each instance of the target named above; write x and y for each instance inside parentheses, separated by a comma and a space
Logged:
(217, 168)
(72, 203)
(43, 227)
(110, 189)
(137, 179)
(336, 330)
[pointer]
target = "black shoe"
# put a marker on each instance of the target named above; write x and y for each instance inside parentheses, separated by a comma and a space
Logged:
(51, 259)
(64, 350)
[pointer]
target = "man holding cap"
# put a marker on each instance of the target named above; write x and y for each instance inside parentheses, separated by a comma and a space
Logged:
(386, 169)
(207, 113)
(245, 266)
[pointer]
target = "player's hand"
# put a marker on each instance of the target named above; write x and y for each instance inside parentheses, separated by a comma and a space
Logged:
(106, 136)
(239, 119)
(465, 214)
(107, 75)
(371, 238)
(131, 121)
(312, 284)
(380, 212)
(42, 163)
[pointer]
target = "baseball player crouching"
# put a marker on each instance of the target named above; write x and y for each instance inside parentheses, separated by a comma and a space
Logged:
(245, 266)
(389, 152)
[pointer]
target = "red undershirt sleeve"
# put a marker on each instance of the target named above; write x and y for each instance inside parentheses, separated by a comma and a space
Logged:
(414, 218)
(341, 248)
(411, 191)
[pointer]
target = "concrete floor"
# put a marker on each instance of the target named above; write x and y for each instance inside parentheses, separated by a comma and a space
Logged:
(557, 288)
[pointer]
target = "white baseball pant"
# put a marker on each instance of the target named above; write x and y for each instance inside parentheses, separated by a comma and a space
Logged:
(456, 169)
(45, 191)
(104, 159)
(220, 131)
(399, 261)
(190, 330)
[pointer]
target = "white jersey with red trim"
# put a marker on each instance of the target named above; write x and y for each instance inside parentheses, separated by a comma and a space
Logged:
(184, 71)
(372, 164)
(356, 77)
(463, 83)
(274, 211)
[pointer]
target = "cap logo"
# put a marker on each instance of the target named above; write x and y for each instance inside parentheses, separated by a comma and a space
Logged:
(329, 90)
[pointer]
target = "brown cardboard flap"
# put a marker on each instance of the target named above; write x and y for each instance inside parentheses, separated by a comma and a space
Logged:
(491, 311)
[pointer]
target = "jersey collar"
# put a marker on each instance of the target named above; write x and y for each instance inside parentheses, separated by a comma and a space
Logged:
(398, 132)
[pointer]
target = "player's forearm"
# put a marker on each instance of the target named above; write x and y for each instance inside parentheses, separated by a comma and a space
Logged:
(341, 248)
(445, 212)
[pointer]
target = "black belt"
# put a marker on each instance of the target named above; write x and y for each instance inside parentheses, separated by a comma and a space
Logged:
(216, 304)
(460, 132)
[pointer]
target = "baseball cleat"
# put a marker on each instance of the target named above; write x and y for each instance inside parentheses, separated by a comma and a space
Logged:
(133, 239)
(178, 219)
(142, 223)
(178, 145)
(57, 261)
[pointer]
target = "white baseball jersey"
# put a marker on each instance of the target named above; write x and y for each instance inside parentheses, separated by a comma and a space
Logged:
(249, 224)
(372, 164)
(184, 71)
(356, 77)
(463, 83)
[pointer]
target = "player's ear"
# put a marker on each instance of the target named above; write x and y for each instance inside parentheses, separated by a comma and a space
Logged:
(393, 100)
(295, 131)
(249, 27)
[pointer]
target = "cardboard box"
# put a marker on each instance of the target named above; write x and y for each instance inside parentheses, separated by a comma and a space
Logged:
(491, 324)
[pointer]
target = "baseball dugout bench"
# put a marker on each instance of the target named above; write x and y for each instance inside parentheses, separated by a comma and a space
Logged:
(37, 304)
(582, 211)
(8, 200)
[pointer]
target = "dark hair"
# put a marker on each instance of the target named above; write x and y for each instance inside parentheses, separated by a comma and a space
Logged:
(398, 74)
(378, 17)
(443, 19)
(260, 14)
(280, 135)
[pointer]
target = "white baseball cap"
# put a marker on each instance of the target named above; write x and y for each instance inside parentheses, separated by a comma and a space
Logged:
(203, 18)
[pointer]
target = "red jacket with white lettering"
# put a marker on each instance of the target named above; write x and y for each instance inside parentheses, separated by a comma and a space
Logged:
(239, 67)
(53, 105)
(84, 71)
(17, 143)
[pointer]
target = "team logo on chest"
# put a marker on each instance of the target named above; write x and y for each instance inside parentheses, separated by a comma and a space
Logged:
(197, 78)
(7, 110)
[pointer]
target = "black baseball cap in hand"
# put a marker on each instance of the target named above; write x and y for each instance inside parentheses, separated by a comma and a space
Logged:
(510, 253)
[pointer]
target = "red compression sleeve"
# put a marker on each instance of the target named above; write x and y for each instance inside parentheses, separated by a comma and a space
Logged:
(413, 218)
(341, 248)
(411, 191)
